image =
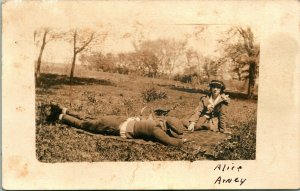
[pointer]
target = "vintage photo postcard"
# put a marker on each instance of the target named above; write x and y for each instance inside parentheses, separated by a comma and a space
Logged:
(150, 94)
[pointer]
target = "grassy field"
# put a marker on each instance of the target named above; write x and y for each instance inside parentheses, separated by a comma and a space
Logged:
(106, 93)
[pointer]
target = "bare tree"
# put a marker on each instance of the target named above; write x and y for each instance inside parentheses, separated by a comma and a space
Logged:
(240, 49)
(195, 60)
(148, 63)
(166, 51)
(139, 35)
(99, 61)
(77, 50)
(41, 38)
(172, 51)
(81, 40)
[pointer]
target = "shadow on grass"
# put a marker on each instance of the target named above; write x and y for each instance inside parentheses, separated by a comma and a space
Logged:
(232, 94)
(43, 91)
(50, 80)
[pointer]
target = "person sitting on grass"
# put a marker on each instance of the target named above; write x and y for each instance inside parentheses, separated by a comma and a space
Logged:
(209, 114)
(150, 128)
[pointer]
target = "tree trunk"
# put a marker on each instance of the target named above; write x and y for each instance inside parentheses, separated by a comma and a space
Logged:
(39, 61)
(74, 56)
(73, 67)
(208, 75)
(251, 82)
(77, 50)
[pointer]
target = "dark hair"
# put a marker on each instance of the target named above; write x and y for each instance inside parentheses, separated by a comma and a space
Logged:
(217, 83)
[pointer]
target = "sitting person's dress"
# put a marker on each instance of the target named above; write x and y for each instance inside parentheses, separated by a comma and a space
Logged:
(209, 115)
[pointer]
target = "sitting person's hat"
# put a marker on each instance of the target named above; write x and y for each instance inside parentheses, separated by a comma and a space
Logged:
(217, 83)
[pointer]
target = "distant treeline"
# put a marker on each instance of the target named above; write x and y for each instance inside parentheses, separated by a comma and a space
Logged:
(164, 58)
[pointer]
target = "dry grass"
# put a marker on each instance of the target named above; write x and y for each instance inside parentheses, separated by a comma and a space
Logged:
(121, 95)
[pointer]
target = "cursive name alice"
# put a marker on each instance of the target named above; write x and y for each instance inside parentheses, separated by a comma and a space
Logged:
(233, 167)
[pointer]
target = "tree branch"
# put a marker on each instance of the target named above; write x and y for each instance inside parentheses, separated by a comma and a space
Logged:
(45, 37)
(247, 41)
(75, 38)
(86, 44)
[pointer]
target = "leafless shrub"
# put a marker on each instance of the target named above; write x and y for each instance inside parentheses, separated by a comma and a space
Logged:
(152, 93)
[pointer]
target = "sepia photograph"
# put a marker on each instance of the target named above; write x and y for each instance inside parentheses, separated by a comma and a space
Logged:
(146, 92)
(150, 95)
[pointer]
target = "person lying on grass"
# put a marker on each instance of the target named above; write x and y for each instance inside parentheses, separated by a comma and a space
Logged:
(157, 129)
(209, 114)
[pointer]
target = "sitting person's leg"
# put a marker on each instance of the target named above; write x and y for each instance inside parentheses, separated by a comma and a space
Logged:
(174, 124)
(200, 125)
(185, 122)
(164, 138)
(154, 130)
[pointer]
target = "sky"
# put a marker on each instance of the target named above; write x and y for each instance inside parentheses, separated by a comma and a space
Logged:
(158, 19)
(61, 51)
